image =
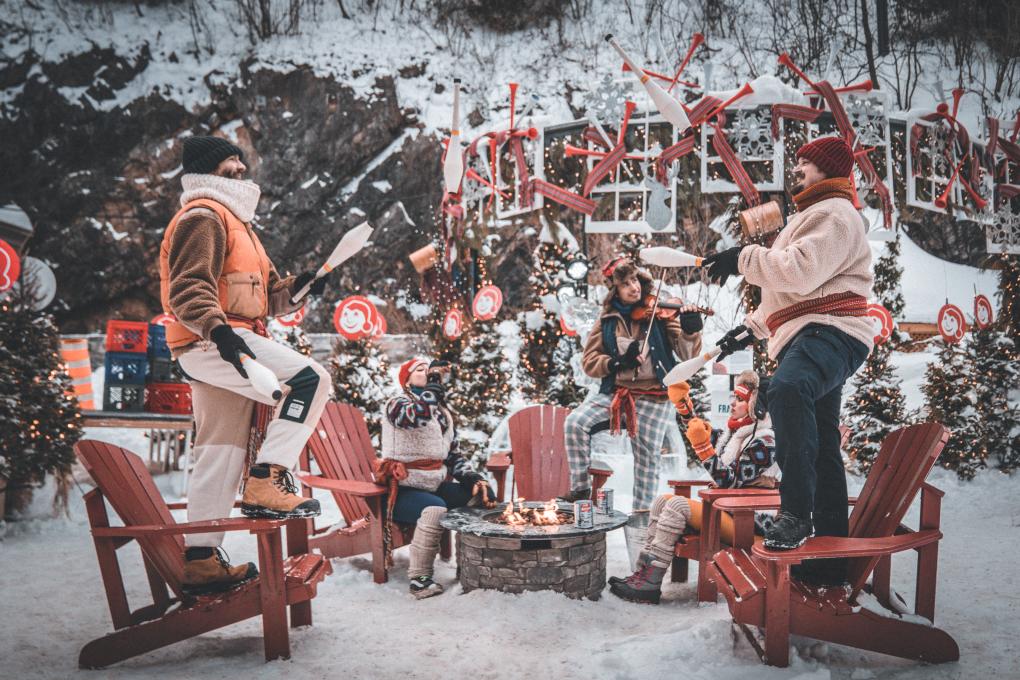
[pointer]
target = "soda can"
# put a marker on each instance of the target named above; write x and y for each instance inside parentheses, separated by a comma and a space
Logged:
(604, 501)
(584, 518)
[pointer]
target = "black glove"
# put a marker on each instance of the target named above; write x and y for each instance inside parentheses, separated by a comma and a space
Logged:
(691, 322)
(730, 343)
(438, 376)
(722, 265)
(437, 390)
(230, 344)
(317, 288)
(629, 359)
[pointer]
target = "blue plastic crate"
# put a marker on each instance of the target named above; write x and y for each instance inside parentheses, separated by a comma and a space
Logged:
(158, 349)
(123, 368)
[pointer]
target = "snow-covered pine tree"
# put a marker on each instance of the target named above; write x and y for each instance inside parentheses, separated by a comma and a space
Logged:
(361, 377)
(562, 389)
(479, 394)
(993, 368)
(888, 291)
(875, 408)
(877, 405)
(1009, 297)
(949, 399)
(39, 420)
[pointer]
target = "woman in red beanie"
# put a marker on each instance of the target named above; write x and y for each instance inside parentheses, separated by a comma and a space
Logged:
(815, 283)
(419, 455)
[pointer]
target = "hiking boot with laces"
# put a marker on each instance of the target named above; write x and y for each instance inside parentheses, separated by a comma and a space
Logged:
(208, 570)
(270, 493)
(787, 532)
(642, 560)
(643, 586)
(423, 586)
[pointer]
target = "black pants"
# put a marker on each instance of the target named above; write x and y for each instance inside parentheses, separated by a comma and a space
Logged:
(804, 398)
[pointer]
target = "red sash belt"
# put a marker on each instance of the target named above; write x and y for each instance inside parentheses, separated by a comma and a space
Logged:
(837, 304)
(391, 472)
(623, 405)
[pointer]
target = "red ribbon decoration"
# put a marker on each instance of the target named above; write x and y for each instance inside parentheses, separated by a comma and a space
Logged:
(734, 166)
(611, 160)
(685, 145)
(805, 114)
(563, 196)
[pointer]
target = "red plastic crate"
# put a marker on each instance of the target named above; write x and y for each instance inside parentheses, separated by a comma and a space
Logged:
(127, 336)
(168, 398)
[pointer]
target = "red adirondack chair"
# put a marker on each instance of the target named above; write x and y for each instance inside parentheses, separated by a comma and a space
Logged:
(757, 585)
(695, 546)
(539, 456)
(342, 448)
(123, 479)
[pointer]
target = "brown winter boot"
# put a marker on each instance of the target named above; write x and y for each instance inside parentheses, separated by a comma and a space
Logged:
(207, 570)
(270, 493)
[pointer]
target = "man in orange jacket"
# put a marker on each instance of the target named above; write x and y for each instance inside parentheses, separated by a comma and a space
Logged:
(218, 282)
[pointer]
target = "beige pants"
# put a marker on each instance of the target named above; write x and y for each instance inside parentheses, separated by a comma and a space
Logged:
(223, 403)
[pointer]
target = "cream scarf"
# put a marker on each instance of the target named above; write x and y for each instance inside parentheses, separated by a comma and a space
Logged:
(239, 196)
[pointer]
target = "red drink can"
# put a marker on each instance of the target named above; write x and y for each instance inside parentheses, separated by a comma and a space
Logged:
(584, 517)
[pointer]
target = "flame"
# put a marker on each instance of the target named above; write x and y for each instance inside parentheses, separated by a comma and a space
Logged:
(516, 514)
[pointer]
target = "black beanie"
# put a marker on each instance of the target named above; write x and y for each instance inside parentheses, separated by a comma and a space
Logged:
(203, 154)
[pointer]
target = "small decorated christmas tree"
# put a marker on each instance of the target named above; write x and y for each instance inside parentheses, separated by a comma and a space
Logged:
(875, 408)
(888, 291)
(479, 394)
(39, 419)
(361, 377)
(949, 399)
(993, 368)
(562, 388)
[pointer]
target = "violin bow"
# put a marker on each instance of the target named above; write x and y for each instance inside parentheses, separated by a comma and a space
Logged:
(655, 307)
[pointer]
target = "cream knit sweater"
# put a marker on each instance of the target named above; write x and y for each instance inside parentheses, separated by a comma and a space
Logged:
(823, 250)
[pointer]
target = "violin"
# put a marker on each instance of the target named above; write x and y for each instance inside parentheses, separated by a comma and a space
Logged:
(666, 309)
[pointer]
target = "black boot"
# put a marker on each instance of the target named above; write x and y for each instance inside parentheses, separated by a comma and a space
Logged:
(787, 532)
(643, 586)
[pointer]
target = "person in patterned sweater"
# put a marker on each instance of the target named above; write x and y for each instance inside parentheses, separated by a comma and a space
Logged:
(420, 463)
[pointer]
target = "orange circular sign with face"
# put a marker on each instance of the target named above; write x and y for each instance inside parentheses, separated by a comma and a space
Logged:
(453, 324)
(356, 318)
(882, 320)
(487, 304)
(10, 266)
(952, 325)
(983, 316)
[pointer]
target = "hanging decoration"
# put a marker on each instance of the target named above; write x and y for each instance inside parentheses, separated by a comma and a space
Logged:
(10, 266)
(356, 318)
(453, 324)
(882, 320)
(293, 319)
(983, 315)
(487, 303)
(568, 330)
(951, 323)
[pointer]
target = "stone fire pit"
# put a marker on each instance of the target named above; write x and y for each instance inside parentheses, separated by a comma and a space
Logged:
(513, 559)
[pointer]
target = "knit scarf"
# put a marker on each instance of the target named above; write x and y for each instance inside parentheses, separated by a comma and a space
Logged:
(239, 196)
(836, 187)
(734, 423)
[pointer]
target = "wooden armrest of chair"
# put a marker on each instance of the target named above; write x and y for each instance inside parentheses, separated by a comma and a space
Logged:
(498, 461)
(689, 482)
(184, 506)
(600, 472)
(204, 527)
(718, 494)
(347, 486)
(832, 546)
(750, 503)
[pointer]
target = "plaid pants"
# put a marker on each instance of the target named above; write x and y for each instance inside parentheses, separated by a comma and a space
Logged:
(653, 417)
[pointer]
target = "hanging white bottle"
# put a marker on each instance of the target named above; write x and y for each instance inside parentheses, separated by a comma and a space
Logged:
(453, 164)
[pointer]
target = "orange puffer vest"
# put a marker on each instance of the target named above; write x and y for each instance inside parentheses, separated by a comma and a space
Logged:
(244, 280)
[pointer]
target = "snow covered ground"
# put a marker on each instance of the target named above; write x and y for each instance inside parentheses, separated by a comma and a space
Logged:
(363, 630)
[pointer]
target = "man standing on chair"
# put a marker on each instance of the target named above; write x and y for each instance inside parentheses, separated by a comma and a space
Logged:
(631, 394)
(815, 283)
(218, 282)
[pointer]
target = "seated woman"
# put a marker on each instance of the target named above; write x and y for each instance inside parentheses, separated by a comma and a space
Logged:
(419, 454)
(745, 458)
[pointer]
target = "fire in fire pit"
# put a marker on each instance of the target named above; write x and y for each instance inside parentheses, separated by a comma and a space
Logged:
(531, 546)
(517, 513)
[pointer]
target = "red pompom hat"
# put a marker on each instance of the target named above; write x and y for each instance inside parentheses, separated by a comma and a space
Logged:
(832, 155)
(405, 370)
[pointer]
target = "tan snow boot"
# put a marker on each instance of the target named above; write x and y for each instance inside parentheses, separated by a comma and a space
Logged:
(207, 570)
(270, 493)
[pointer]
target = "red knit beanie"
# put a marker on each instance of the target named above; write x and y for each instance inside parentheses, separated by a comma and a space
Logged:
(405, 370)
(832, 155)
(743, 392)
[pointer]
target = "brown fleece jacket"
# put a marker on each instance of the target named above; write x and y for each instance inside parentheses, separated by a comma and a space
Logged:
(595, 360)
(197, 251)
